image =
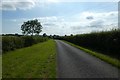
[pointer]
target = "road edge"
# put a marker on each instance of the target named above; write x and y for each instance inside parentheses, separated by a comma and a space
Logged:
(110, 60)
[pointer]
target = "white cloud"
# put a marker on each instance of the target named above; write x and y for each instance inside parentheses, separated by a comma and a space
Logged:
(88, 0)
(52, 1)
(24, 4)
(17, 4)
(103, 20)
(28, 4)
(78, 23)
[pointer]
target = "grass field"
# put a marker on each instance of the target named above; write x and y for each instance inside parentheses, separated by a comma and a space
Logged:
(37, 61)
(0, 57)
(0, 66)
(112, 61)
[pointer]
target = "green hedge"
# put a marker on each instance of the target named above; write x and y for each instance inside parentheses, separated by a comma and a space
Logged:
(14, 42)
(107, 42)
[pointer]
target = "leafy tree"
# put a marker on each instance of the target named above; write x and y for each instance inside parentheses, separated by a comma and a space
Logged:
(50, 36)
(31, 27)
(44, 35)
(71, 35)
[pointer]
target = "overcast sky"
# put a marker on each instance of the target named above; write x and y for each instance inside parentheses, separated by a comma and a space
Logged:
(59, 16)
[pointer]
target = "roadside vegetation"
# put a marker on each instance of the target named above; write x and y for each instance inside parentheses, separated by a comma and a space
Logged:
(10, 43)
(30, 30)
(0, 57)
(29, 55)
(0, 66)
(104, 45)
(105, 42)
(36, 61)
(106, 58)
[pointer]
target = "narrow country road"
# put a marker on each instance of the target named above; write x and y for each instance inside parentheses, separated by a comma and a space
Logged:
(74, 63)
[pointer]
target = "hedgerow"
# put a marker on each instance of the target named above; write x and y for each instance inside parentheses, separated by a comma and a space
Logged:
(107, 42)
(10, 43)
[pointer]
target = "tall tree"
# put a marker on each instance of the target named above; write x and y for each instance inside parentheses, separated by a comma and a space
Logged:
(31, 27)
(44, 35)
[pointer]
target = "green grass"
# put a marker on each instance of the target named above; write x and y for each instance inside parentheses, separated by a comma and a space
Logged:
(37, 61)
(0, 66)
(112, 61)
(0, 58)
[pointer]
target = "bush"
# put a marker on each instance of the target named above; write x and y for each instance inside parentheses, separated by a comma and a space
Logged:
(107, 42)
(10, 43)
(39, 39)
(28, 41)
(14, 42)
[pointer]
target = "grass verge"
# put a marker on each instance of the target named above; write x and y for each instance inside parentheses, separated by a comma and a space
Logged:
(0, 66)
(37, 61)
(112, 61)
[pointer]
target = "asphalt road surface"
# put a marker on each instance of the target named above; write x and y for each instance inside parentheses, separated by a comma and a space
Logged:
(74, 63)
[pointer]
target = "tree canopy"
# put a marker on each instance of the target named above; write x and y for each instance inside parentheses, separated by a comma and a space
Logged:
(44, 35)
(31, 27)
